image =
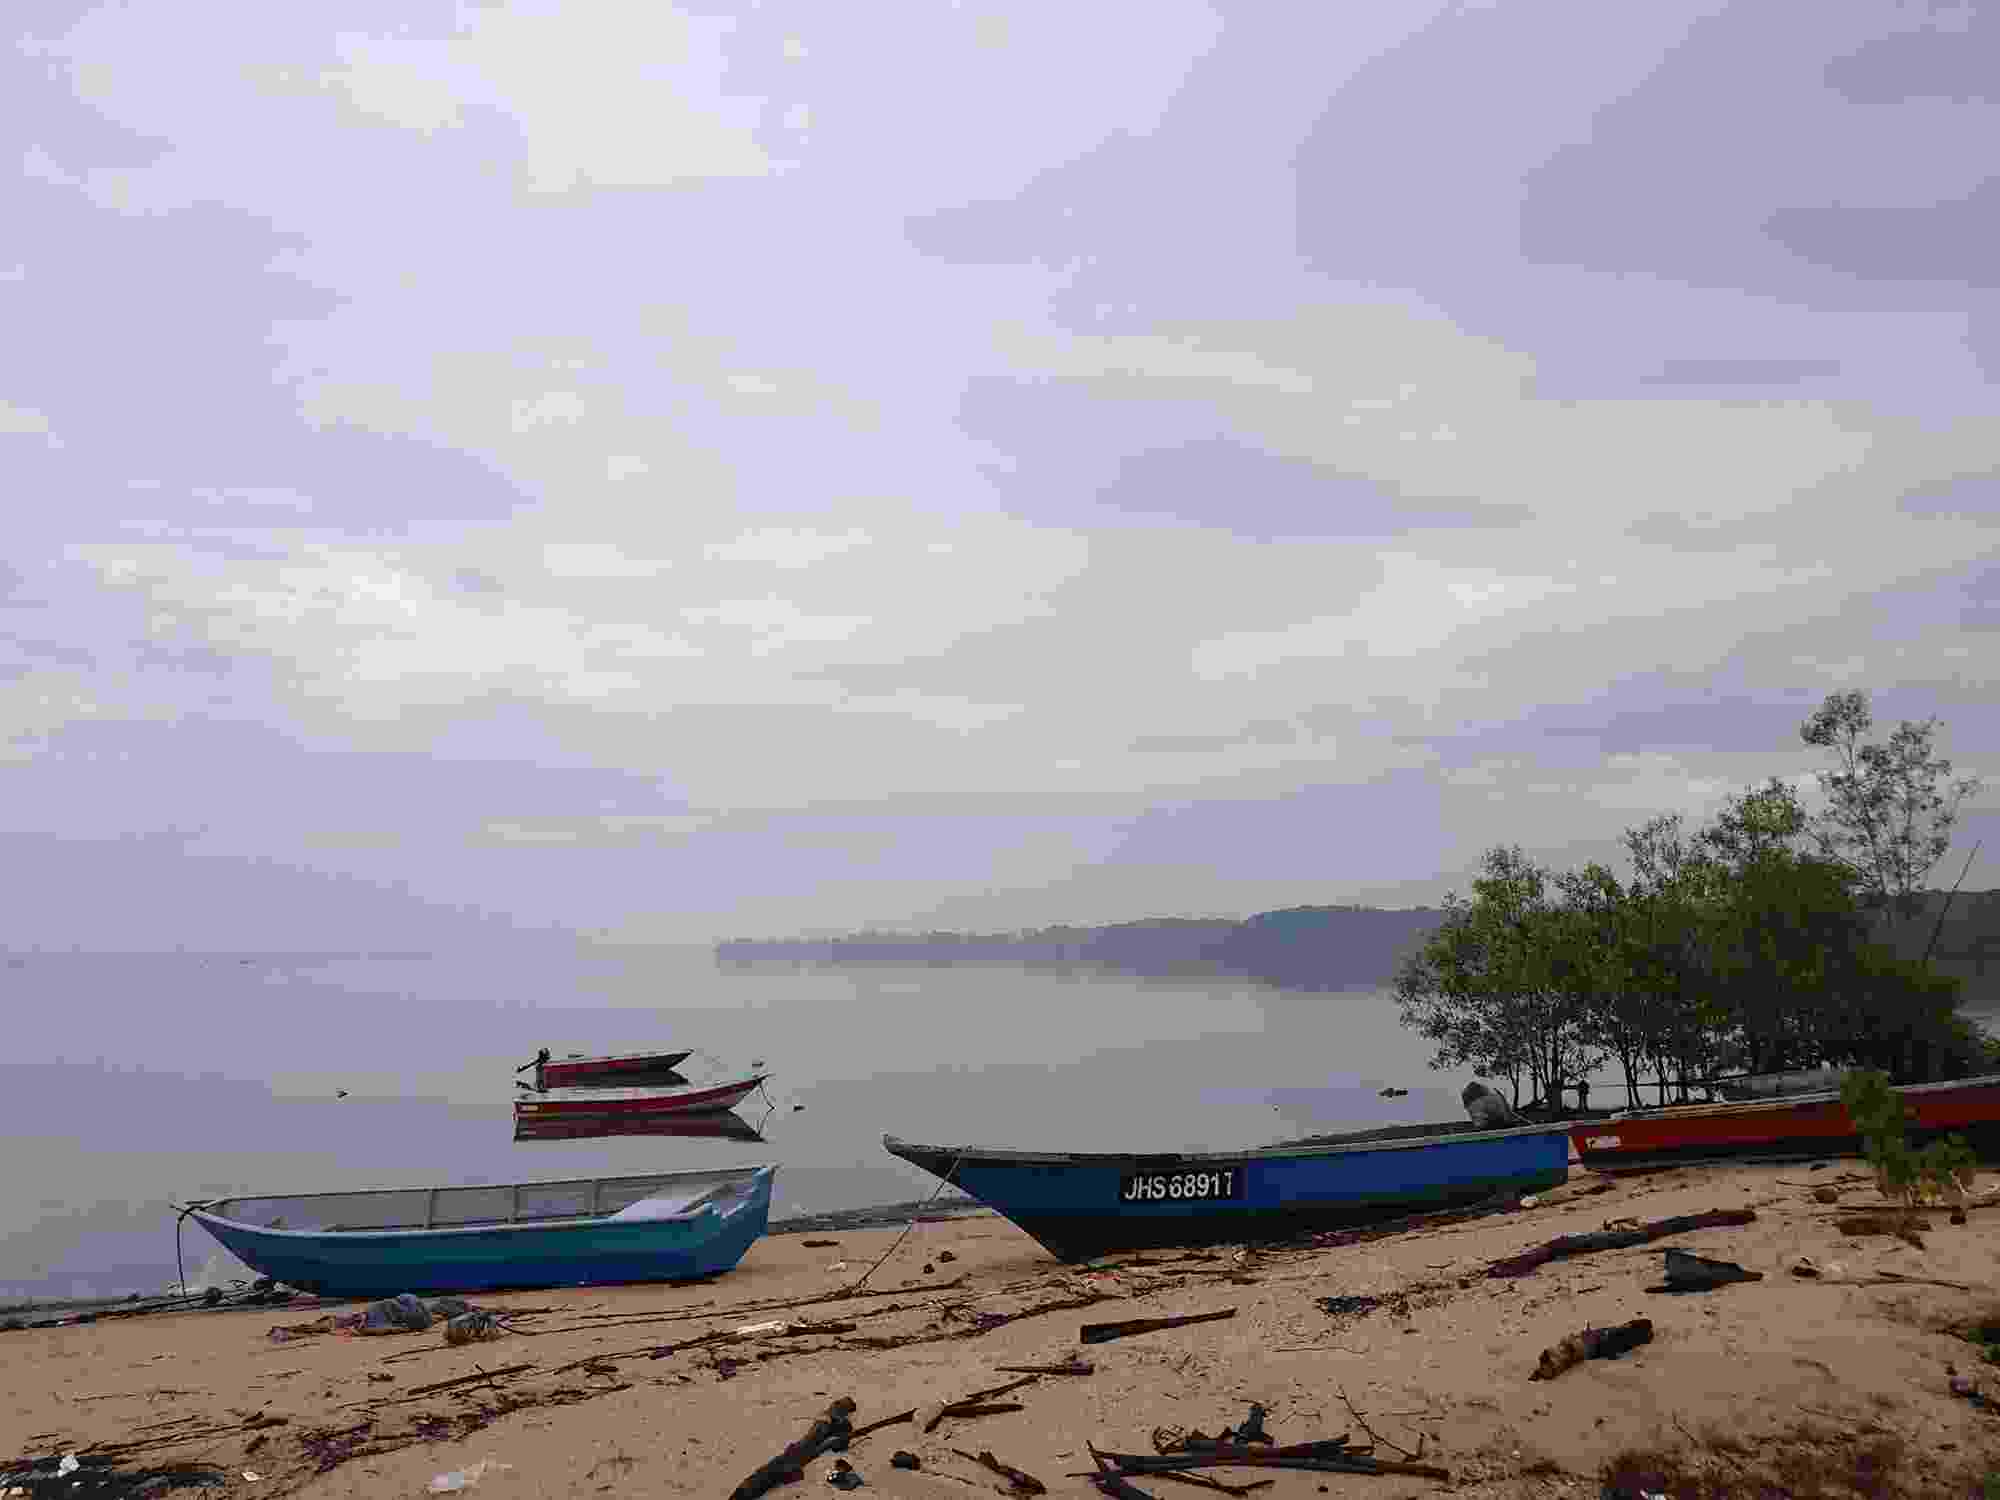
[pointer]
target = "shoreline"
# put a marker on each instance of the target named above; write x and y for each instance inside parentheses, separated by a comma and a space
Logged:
(942, 1210)
(1414, 1331)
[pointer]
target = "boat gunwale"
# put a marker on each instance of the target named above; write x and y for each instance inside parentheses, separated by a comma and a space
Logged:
(608, 1057)
(1253, 1153)
(580, 1094)
(722, 1174)
(570, 1221)
(1785, 1101)
(404, 1231)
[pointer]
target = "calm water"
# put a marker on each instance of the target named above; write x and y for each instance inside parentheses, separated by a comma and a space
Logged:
(141, 1078)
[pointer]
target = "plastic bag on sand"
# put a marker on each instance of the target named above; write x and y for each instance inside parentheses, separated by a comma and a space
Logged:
(464, 1479)
(394, 1314)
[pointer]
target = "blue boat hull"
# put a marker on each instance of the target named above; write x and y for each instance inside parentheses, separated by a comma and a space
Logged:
(1076, 1205)
(488, 1258)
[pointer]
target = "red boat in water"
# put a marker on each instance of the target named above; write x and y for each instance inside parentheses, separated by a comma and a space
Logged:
(611, 1070)
(636, 1103)
(1803, 1125)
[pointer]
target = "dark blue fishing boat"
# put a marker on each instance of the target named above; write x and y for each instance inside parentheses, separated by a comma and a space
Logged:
(671, 1226)
(1081, 1205)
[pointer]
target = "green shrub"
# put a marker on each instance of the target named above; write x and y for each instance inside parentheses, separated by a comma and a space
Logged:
(1905, 1175)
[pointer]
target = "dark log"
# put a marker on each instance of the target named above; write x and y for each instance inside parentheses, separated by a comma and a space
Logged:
(1108, 1471)
(1110, 1482)
(1319, 1448)
(1264, 1458)
(1593, 1343)
(1617, 1239)
(1099, 1333)
(829, 1429)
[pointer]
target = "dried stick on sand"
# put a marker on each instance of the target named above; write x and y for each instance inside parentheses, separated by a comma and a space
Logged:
(1529, 1261)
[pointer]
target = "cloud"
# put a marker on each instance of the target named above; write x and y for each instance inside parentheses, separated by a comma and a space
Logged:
(772, 623)
(606, 94)
(1218, 482)
(1935, 239)
(1950, 54)
(1859, 189)
(787, 548)
(1975, 497)
(1384, 391)
(1161, 496)
(1418, 607)
(22, 421)
(595, 830)
(1741, 371)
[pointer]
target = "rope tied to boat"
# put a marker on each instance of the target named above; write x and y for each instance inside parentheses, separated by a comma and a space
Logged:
(180, 1269)
(943, 1182)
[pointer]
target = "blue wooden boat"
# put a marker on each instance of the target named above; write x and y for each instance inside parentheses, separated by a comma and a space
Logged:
(1081, 1205)
(672, 1226)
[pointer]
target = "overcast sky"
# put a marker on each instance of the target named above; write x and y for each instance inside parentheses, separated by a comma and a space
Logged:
(683, 471)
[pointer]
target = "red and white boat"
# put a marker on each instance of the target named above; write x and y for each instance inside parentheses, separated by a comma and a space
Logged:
(636, 1103)
(1801, 1125)
(610, 1070)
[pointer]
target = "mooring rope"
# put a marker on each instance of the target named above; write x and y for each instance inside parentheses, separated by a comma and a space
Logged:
(943, 1183)
(180, 1269)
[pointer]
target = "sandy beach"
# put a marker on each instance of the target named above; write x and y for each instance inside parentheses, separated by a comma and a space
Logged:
(1786, 1385)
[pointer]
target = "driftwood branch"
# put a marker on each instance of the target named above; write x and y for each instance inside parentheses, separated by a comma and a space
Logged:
(1022, 1482)
(1188, 1476)
(1100, 1333)
(418, 1392)
(790, 1464)
(1111, 1482)
(949, 1409)
(1593, 1343)
(1330, 1460)
(1568, 1245)
(1074, 1367)
(1355, 1412)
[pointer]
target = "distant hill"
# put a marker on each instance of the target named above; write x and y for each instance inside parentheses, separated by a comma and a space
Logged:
(1300, 947)
(1968, 946)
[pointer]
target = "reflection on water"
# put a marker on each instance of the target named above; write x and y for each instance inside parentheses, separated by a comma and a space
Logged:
(717, 1127)
(170, 1076)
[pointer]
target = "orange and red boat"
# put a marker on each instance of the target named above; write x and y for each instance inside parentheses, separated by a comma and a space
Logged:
(1804, 1125)
(629, 1104)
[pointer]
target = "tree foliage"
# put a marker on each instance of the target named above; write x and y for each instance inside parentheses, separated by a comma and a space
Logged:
(1746, 946)
(1890, 807)
(1491, 988)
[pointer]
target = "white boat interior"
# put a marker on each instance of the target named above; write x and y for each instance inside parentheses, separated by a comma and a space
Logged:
(467, 1206)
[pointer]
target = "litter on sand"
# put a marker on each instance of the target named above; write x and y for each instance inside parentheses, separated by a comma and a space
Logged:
(464, 1479)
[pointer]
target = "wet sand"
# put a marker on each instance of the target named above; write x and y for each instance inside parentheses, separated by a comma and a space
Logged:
(1441, 1363)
